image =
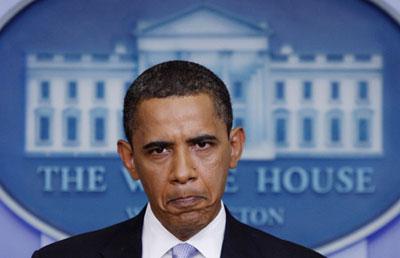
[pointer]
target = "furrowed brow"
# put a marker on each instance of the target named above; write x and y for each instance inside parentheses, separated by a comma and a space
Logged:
(202, 138)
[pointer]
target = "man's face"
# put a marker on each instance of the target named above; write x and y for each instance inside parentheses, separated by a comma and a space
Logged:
(182, 153)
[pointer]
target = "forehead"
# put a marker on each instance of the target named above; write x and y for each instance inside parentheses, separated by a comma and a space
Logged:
(176, 114)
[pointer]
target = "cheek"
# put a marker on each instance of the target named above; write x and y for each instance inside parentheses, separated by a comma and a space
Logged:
(153, 179)
(212, 172)
(210, 165)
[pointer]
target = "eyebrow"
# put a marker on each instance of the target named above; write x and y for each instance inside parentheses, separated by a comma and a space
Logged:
(157, 144)
(202, 138)
(191, 141)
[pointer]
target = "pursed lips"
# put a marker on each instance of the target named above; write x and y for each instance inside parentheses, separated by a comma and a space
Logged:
(185, 201)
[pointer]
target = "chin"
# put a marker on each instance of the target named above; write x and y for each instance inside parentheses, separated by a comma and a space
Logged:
(190, 224)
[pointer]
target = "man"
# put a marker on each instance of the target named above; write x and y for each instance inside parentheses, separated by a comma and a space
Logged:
(178, 122)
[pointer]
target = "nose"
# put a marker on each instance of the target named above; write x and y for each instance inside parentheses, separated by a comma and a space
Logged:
(183, 169)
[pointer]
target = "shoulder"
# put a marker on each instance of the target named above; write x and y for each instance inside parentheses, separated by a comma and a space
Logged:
(92, 244)
(281, 248)
(251, 241)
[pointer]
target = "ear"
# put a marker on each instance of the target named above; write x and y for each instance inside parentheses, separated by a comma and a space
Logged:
(125, 152)
(237, 139)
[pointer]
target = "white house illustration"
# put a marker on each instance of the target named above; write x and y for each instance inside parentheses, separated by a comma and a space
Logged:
(290, 104)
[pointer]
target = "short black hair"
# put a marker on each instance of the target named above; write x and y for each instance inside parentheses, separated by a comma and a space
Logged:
(176, 78)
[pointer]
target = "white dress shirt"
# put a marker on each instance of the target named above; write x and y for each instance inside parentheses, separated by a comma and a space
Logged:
(157, 241)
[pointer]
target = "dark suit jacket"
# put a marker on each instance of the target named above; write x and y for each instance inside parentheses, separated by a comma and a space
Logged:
(124, 240)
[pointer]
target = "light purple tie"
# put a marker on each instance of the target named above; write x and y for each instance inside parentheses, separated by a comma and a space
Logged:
(183, 251)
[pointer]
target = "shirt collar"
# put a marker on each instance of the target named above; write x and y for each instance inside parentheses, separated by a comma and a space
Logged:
(157, 240)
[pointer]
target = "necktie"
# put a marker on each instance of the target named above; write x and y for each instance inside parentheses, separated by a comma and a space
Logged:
(183, 251)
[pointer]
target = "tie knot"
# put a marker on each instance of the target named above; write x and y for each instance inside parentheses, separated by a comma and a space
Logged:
(183, 250)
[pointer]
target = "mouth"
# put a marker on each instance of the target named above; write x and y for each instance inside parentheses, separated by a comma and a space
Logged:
(185, 202)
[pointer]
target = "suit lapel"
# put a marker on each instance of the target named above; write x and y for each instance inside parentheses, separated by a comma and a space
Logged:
(236, 244)
(127, 242)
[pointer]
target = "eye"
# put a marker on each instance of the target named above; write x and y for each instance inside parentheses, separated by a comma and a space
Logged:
(158, 151)
(203, 145)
